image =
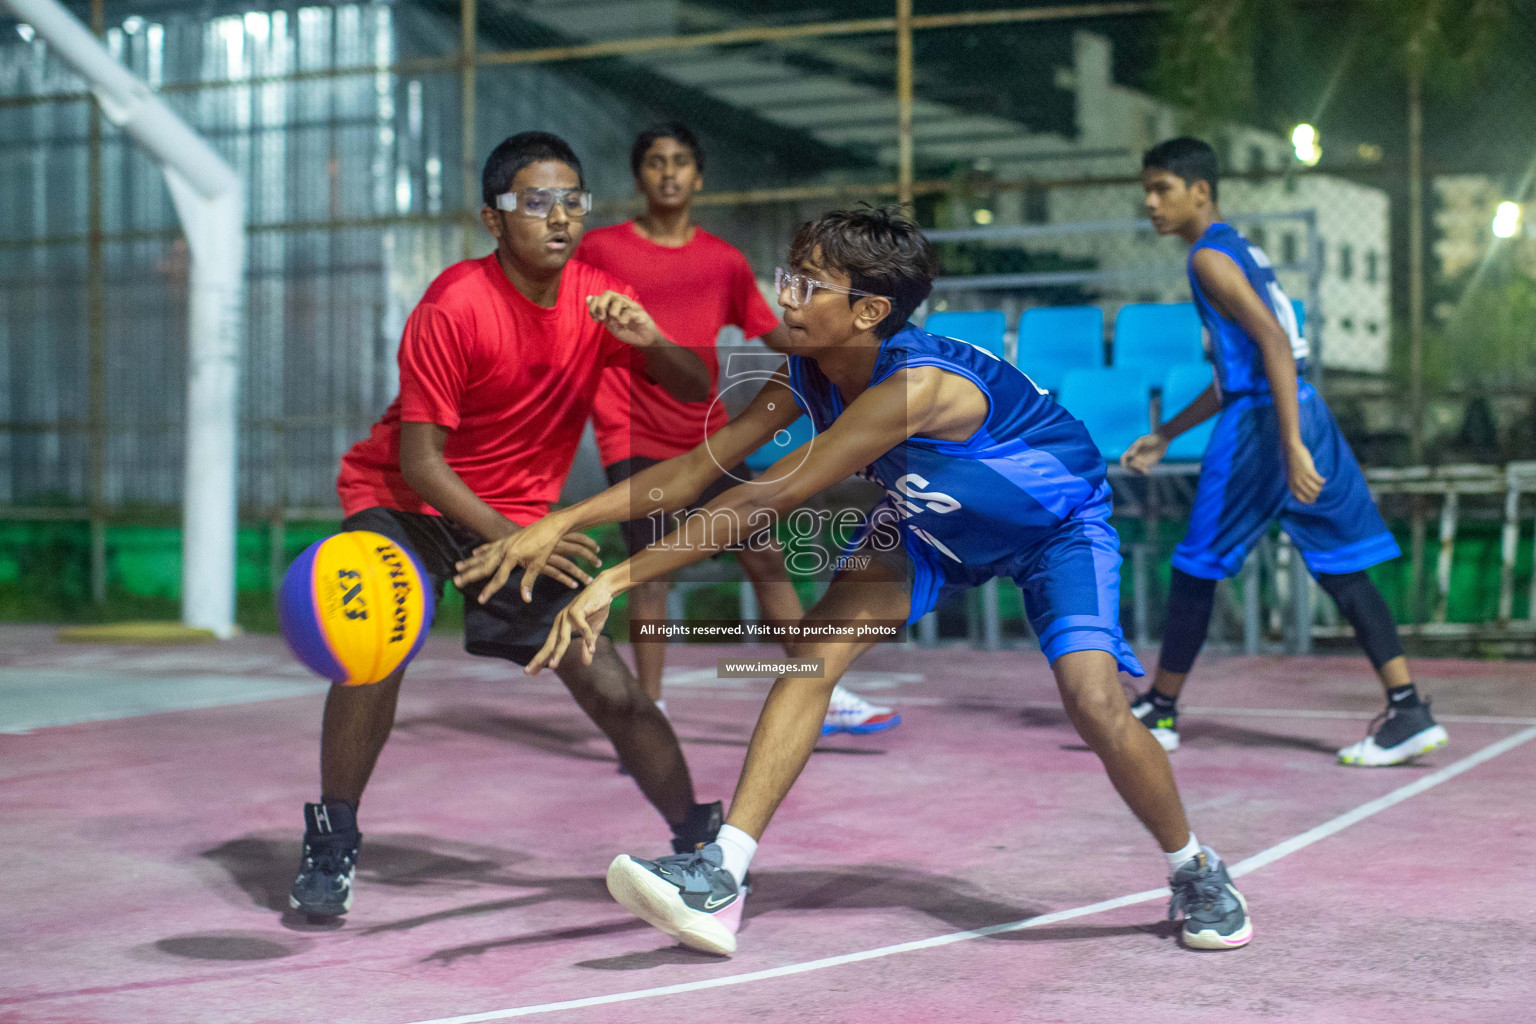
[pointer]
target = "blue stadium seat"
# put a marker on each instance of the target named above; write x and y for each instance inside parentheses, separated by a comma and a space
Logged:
(796, 435)
(1157, 335)
(1056, 339)
(982, 328)
(1181, 386)
(1114, 402)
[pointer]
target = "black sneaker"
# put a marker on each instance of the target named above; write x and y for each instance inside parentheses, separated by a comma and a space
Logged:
(1215, 913)
(331, 842)
(1397, 735)
(1164, 724)
(700, 827)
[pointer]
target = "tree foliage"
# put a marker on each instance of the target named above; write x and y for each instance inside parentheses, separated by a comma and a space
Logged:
(1205, 59)
(1207, 48)
(1489, 340)
(1442, 39)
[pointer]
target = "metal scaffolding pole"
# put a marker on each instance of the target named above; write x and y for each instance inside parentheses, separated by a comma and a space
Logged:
(1416, 251)
(96, 336)
(468, 51)
(662, 44)
(904, 152)
(1416, 314)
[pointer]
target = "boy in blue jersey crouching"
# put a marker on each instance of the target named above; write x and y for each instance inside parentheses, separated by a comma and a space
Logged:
(1276, 453)
(984, 476)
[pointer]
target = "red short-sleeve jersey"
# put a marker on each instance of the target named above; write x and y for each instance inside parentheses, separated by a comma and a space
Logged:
(512, 381)
(691, 291)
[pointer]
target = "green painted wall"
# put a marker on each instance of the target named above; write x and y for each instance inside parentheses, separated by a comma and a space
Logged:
(45, 574)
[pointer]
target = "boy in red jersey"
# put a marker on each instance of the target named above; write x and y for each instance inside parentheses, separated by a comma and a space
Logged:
(694, 284)
(499, 364)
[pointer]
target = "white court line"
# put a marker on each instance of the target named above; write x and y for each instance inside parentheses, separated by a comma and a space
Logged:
(900, 701)
(1258, 860)
(1356, 715)
(1381, 803)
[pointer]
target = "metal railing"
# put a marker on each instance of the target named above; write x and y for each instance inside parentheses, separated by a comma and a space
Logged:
(1452, 485)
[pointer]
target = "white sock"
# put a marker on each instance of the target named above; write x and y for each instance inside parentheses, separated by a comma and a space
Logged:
(661, 705)
(1177, 858)
(738, 848)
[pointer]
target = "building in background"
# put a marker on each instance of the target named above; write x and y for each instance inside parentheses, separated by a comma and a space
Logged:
(1112, 126)
(356, 200)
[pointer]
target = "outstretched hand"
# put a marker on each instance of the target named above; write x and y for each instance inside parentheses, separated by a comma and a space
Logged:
(1144, 453)
(586, 616)
(543, 548)
(624, 318)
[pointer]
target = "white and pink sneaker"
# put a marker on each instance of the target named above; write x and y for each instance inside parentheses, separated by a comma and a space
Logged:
(687, 895)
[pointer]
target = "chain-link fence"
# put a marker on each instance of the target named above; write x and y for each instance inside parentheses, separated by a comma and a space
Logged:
(359, 129)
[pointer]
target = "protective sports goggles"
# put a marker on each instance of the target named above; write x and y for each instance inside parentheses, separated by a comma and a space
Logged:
(541, 202)
(801, 287)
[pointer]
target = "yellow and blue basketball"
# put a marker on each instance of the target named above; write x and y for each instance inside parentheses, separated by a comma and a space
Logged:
(355, 607)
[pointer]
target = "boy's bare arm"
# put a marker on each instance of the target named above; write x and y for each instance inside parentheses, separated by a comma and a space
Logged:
(872, 425)
(1148, 450)
(1205, 405)
(904, 405)
(680, 371)
(427, 473)
(678, 482)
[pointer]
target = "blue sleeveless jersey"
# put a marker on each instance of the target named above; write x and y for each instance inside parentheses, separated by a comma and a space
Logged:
(1243, 485)
(1029, 468)
(1239, 364)
(1025, 497)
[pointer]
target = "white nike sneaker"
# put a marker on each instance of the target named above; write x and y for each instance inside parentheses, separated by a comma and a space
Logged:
(852, 714)
(689, 896)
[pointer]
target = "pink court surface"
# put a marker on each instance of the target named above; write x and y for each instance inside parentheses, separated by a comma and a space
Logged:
(972, 865)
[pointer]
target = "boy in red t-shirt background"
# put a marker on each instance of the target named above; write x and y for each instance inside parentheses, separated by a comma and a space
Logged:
(499, 364)
(694, 284)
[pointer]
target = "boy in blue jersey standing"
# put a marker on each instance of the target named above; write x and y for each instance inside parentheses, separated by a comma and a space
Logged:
(1276, 453)
(984, 476)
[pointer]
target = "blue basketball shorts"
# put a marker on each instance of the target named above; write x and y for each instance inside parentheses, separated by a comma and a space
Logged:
(1243, 489)
(1069, 576)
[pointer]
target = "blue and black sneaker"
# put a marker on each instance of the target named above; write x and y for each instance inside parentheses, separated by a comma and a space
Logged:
(331, 843)
(688, 895)
(1215, 913)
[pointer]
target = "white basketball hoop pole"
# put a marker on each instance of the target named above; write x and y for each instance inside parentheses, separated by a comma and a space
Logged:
(210, 201)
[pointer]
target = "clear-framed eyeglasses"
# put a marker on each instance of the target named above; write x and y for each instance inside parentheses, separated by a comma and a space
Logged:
(799, 288)
(541, 202)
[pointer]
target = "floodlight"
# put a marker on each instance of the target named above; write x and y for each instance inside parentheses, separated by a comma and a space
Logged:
(1506, 220)
(1305, 142)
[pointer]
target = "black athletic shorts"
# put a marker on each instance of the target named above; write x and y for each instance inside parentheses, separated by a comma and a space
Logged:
(640, 534)
(503, 627)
